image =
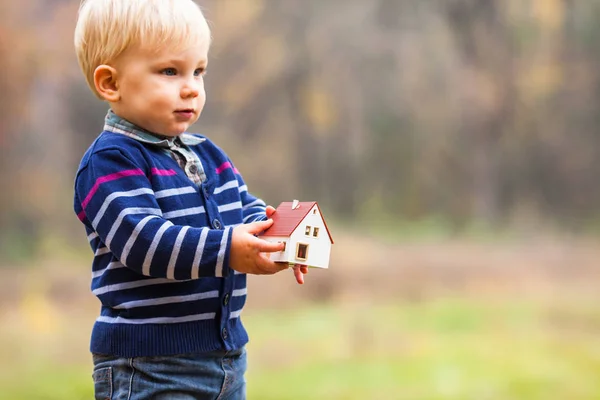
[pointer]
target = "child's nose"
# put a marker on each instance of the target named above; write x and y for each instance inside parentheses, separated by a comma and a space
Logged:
(191, 88)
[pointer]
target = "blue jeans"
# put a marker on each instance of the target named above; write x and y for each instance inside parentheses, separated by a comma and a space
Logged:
(218, 375)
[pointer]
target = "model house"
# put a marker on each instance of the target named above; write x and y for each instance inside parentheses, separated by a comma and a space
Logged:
(301, 226)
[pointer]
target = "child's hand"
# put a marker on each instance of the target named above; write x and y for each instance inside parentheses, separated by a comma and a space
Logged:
(270, 211)
(246, 250)
(299, 272)
(262, 265)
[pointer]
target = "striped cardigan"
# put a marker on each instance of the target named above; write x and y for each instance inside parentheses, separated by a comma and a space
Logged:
(161, 247)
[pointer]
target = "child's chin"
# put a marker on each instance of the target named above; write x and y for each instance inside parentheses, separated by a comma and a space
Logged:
(175, 132)
(179, 130)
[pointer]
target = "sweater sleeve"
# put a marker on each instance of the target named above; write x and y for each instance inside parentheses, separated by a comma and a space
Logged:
(118, 202)
(253, 208)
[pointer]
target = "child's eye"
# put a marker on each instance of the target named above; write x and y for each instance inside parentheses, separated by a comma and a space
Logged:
(169, 71)
(199, 71)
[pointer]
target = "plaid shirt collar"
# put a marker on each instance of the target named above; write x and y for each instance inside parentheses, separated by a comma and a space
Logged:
(114, 123)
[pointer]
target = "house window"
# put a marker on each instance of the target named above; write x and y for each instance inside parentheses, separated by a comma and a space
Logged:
(315, 211)
(284, 244)
(307, 231)
(316, 232)
(301, 251)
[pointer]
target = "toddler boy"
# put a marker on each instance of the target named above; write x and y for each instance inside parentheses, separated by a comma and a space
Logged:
(168, 216)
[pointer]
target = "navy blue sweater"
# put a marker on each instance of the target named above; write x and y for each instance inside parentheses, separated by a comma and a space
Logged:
(161, 247)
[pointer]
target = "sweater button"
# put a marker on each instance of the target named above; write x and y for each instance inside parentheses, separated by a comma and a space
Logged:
(224, 333)
(193, 168)
(216, 224)
(226, 299)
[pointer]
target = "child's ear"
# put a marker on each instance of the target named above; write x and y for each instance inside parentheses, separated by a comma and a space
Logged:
(105, 80)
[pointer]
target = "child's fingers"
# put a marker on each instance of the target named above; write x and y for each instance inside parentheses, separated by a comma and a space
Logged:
(268, 247)
(303, 268)
(258, 227)
(299, 275)
(268, 267)
(270, 211)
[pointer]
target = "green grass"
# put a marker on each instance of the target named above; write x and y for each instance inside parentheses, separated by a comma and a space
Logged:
(445, 349)
(441, 350)
(47, 382)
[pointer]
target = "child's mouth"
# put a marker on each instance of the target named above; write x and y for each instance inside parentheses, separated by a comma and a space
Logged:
(186, 113)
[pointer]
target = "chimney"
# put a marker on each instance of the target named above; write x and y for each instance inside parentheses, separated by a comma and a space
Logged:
(295, 204)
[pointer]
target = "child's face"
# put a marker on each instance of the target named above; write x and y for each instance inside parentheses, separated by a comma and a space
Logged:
(161, 91)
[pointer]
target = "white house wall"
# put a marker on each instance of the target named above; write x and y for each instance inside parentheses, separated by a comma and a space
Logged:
(318, 247)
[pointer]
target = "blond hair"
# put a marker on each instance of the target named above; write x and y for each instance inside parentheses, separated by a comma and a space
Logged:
(106, 28)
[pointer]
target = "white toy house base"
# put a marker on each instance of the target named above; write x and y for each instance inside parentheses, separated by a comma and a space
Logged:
(301, 226)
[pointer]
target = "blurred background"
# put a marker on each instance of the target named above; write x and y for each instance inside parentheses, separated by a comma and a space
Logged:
(453, 146)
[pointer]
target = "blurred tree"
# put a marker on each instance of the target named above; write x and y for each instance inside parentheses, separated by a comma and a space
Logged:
(460, 110)
(484, 42)
(17, 61)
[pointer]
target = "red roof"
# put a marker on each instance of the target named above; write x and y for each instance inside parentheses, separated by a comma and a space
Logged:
(286, 219)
